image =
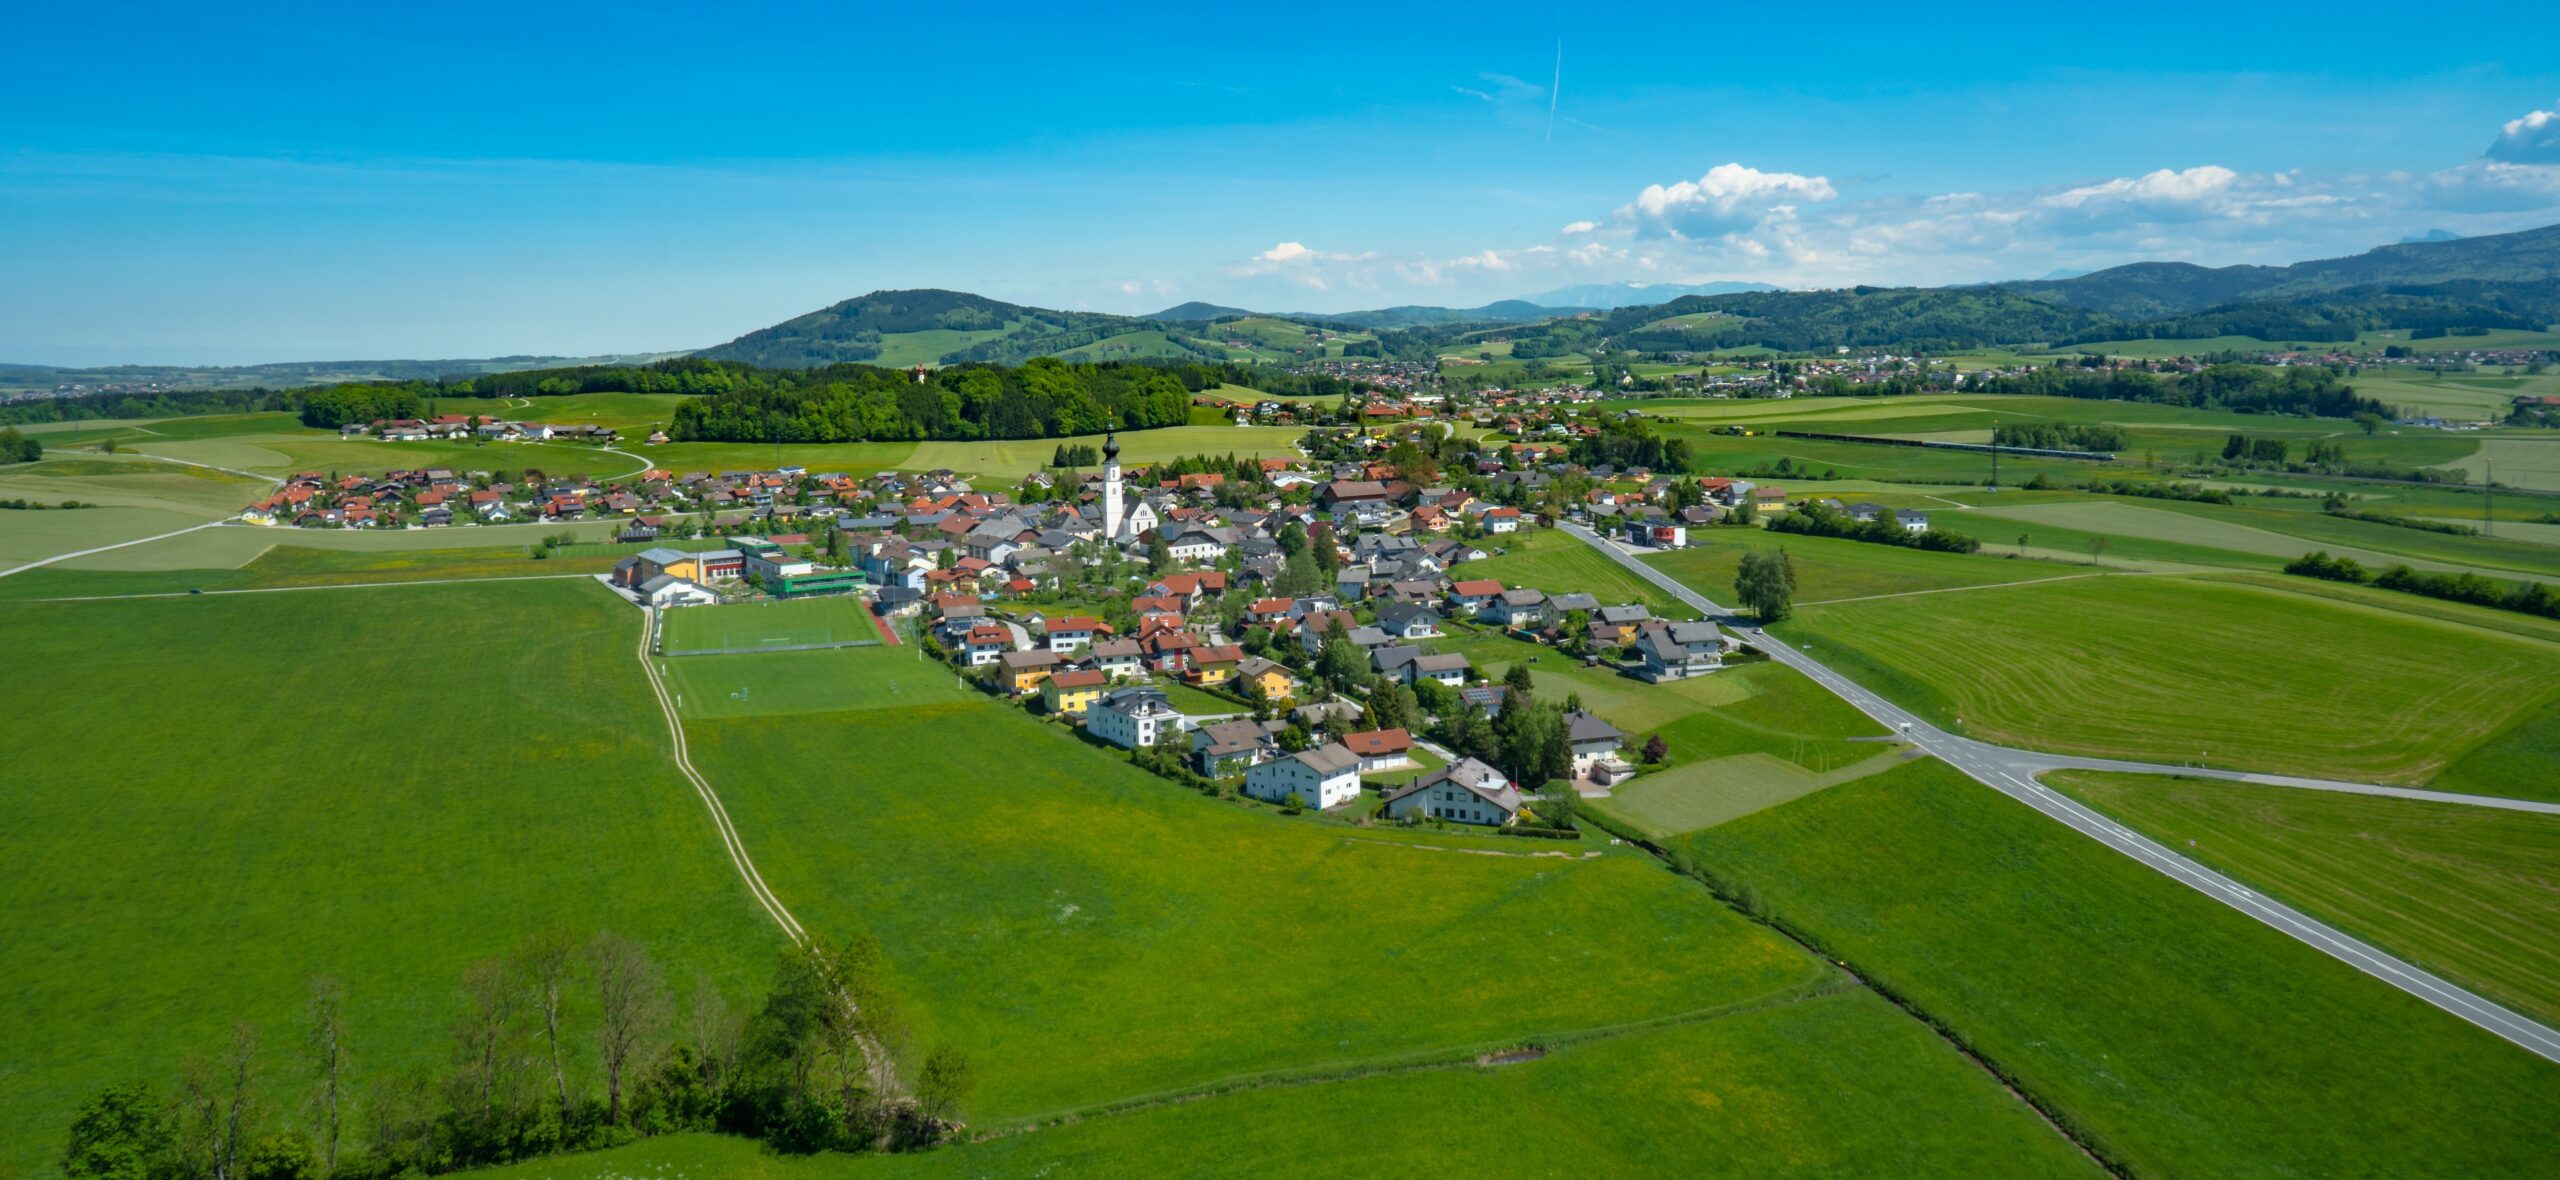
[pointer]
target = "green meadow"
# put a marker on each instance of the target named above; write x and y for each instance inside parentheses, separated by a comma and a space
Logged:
(1091, 934)
(2178, 1035)
(215, 799)
(2462, 891)
(750, 626)
(2176, 669)
(1831, 568)
(1558, 563)
(1821, 1087)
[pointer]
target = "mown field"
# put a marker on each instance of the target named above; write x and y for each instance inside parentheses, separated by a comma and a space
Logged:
(831, 680)
(215, 799)
(2175, 669)
(750, 626)
(1091, 934)
(1823, 1087)
(1559, 563)
(2181, 1036)
(2465, 892)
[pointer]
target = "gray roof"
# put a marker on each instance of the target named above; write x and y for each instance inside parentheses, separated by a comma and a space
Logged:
(1573, 601)
(1329, 759)
(1395, 656)
(1221, 738)
(1630, 613)
(1583, 727)
(1448, 662)
(1484, 781)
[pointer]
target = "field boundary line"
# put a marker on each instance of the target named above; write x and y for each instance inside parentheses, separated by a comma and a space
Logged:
(45, 561)
(265, 479)
(1955, 589)
(312, 586)
(729, 837)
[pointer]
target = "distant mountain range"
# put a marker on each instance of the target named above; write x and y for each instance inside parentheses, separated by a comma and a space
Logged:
(2439, 281)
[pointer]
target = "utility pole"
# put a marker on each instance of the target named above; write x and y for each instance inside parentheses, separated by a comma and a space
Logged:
(2488, 495)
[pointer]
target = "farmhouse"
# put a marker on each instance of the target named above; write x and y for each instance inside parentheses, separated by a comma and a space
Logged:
(1325, 777)
(1469, 792)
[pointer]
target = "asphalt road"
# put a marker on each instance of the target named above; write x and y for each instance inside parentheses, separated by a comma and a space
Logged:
(2013, 773)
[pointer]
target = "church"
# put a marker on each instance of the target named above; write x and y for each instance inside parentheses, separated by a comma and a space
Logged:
(1122, 522)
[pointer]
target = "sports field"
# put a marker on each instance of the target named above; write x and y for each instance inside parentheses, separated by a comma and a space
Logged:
(828, 680)
(2463, 891)
(213, 799)
(2172, 669)
(1014, 875)
(2180, 1035)
(832, 621)
(1824, 1086)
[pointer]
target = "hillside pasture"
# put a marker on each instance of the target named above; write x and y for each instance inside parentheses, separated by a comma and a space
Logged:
(1027, 873)
(215, 799)
(2181, 1036)
(2462, 891)
(1821, 1087)
(2175, 669)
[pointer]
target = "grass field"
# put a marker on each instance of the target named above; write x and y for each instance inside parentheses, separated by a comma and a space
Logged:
(2251, 531)
(1631, 704)
(830, 680)
(30, 535)
(2519, 462)
(1702, 794)
(2184, 1037)
(1829, 568)
(2172, 669)
(1090, 933)
(214, 799)
(755, 626)
(1824, 1087)
(2462, 891)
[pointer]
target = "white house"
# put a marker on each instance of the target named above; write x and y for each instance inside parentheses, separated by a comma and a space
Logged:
(1911, 521)
(1514, 608)
(1449, 668)
(1132, 717)
(1592, 738)
(667, 590)
(1327, 776)
(1069, 632)
(1119, 659)
(1468, 793)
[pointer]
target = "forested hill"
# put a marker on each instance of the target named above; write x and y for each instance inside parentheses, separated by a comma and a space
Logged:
(2155, 290)
(940, 327)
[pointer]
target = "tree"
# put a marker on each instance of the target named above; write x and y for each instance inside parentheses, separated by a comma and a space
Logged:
(1655, 750)
(1767, 584)
(328, 1056)
(283, 1155)
(549, 962)
(631, 1006)
(483, 1036)
(1159, 554)
(121, 1134)
(944, 1083)
(1560, 807)
(1339, 661)
(217, 1104)
(1517, 679)
(2369, 421)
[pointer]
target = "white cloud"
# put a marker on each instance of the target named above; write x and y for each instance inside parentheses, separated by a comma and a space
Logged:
(1579, 227)
(2491, 186)
(2531, 139)
(2163, 195)
(1284, 252)
(1730, 198)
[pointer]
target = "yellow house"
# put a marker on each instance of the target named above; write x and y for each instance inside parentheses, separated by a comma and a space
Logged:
(1024, 670)
(1073, 691)
(1271, 680)
(1215, 665)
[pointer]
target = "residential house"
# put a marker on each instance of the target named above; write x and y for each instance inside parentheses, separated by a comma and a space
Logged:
(1024, 670)
(1468, 792)
(1470, 597)
(1224, 748)
(985, 643)
(1273, 681)
(1911, 521)
(1325, 777)
(1592, 739)
(1072, 692)
(1132, 716)
(667, 590)
(1408, 620)
(1514, 608)
(1119, 659)
(1380, 749)
(1450, 669)
(1214, 665)
(1067, 633)
(1677, 651)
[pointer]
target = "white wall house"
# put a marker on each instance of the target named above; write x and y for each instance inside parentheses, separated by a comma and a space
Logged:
(1132, 717)
(1468, 793)
(1325, 777)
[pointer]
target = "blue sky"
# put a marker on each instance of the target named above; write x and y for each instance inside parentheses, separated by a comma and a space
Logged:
(212, 183)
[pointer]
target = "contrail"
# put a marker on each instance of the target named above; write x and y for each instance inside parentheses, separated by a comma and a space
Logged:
(1554, 89)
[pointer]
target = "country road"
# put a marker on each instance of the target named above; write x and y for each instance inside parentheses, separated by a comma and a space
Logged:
(2013, 773)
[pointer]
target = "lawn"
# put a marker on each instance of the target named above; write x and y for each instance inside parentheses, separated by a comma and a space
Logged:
(1825, 1087)
(31, 535)
(1830, 568)
(2462, 891)
(295, 565)
(2173, 669)
(766, 626)
(2180, 1035)
(1627, 702)
(1012, 459)
(1701, 794)
(1090, 933)
(213, 800)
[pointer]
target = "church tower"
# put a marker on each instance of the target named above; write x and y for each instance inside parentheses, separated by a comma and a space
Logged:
(1111, 486)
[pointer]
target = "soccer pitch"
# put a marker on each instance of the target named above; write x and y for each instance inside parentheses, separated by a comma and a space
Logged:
(767, 626)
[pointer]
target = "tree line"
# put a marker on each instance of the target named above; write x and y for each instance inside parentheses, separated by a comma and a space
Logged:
(1043, 398)
(2060, 436)
(563, 1045)
(1816, 519)
(2532, 598)
(2254, 389)
(18, 448)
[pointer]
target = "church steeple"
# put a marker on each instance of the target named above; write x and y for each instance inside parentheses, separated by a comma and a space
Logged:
(1110, 445)
(1111, 503)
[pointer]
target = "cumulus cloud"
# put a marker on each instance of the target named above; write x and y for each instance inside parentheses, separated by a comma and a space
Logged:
(2164, 195)
(1579, 227)
(1284, 252)
(2532, 139)
(1730, 198)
